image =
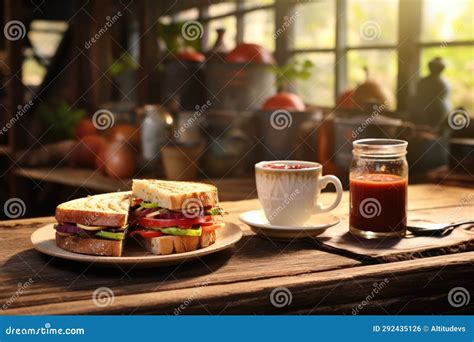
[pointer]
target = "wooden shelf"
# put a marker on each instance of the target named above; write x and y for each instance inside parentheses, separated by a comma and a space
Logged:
(87, 178)
(230, 189)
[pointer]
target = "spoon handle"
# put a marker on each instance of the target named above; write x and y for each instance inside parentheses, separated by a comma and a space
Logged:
(457, 224)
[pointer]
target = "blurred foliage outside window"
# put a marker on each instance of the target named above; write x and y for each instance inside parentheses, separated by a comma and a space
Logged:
(315, 25)
(444, 22)
(222, 8)
(259, 28)
(320, 86)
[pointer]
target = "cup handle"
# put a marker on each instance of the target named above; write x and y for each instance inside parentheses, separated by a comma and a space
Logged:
(322, 183)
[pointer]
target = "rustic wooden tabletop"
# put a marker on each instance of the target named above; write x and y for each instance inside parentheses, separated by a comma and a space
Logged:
(241, 280)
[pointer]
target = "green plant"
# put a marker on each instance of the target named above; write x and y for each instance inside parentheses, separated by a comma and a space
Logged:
(58, 121)
(291, 71)
(171, 35)
(123, 63)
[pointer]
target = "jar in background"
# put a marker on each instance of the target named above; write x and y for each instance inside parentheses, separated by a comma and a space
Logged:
(378, 184)
(155, 126)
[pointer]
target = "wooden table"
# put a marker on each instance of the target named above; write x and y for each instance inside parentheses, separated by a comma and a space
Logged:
(240, 280)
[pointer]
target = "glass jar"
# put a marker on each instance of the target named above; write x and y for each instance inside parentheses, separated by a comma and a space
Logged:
(378, 185)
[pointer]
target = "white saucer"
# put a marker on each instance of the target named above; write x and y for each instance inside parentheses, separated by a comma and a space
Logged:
(315, 226)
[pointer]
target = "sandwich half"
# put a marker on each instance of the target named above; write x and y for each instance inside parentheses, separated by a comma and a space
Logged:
(170, 217)
(94, 225)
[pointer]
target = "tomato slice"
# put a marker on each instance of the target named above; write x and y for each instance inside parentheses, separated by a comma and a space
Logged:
(163, 223)
(136, 201)
(146, 233)
(209, 228)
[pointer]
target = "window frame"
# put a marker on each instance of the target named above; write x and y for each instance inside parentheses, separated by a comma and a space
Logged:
(408, 47)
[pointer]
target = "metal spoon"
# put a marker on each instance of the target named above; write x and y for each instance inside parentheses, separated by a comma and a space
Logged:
(437, 228)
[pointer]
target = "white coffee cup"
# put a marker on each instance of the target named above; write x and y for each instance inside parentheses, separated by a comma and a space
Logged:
(289, 196)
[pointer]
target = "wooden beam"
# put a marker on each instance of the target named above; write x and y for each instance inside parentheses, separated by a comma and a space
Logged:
(14, 85)
(283, 11)
(148, 12)
(409, 30)
(340, 67)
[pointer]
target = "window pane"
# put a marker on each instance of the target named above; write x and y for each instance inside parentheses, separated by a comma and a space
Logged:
(33, 73)
(382, 66)
(190, 14)
(257, 3)
(45, 36)
(459, 70)
(319, 88)
(259, 28)
(45, 43)
(220, 9)
(315, 25)
(372, 22)
(230, 25)
(447, 20)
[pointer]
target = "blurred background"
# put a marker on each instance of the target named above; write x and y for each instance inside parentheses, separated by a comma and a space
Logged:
(94, 93)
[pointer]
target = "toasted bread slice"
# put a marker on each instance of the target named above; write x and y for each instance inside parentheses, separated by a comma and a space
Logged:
(91, 246)
(169, 244)
(110, 210)
(174, 195)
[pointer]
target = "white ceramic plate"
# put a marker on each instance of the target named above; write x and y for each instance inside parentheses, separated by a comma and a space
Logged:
(315, 226)
(43, 240)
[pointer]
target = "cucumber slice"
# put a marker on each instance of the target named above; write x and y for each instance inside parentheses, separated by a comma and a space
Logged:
(110, 235)
(182, 232)
(148, 205)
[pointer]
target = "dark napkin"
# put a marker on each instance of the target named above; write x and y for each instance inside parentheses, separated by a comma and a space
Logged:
(338, 239)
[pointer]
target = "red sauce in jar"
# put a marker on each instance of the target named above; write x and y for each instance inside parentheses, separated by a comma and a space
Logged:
(282, 166)
(378, 203)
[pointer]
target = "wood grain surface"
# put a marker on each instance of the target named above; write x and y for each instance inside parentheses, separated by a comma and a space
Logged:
(240, 280)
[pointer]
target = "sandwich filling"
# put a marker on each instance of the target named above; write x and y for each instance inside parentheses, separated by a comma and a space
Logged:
(148, 220)
(94, 232)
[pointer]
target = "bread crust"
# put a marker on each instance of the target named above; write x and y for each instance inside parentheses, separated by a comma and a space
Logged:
(170, 244)
(117, 217)
(89, 218)
(186, 192)
(91, 246)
